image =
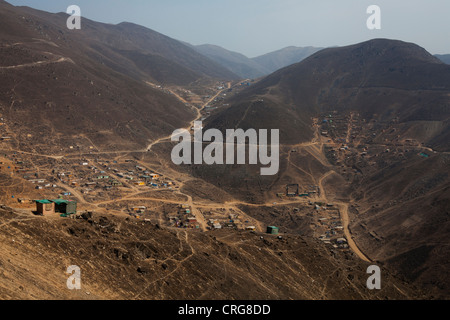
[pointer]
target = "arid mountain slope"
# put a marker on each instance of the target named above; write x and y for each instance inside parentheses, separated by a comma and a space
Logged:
(380, 78)
(127, 260)
(60, 83)
(112, 45)
(384, 110)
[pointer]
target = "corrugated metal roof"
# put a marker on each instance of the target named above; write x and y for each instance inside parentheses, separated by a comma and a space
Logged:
(60, 201)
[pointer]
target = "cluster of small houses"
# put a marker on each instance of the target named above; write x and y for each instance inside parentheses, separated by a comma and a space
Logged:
(99, 178)
(312, 191)
(138, 177)
(337, 126)
(138, 212)
(143, 177)
(333, 227)
(215, 224)
(27, 173)
(70, 179)
(184, 219)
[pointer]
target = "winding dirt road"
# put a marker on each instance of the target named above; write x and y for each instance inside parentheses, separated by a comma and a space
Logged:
(314, 147)
(343, 209)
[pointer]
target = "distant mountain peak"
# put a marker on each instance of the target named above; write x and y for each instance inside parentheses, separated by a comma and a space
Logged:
(255, 67)
(380, 47)
(284, 57)
(379, 76)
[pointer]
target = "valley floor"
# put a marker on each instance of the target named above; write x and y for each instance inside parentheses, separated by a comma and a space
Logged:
(143, 186)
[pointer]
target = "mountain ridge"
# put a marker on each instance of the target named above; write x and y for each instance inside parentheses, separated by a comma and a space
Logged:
(443, 57)
(93, 81)
(257, 67)
(128, 37)
(236, 62)
(284, 57)
(379, 111)
(325, 81)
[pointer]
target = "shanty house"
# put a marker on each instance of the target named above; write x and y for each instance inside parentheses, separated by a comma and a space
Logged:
(45, 207)
(65, 207)
(273, 230)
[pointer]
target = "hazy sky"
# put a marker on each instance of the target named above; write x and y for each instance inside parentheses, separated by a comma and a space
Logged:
(255, 27)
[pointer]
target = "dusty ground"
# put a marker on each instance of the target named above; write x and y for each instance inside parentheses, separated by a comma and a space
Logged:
(126, 259)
